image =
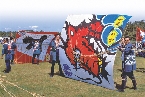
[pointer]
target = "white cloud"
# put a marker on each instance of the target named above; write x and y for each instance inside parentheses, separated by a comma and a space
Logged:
(33, 27)
(7, 28)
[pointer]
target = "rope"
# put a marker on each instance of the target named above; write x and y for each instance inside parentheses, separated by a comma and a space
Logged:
(11, 94)
(101, 53)
(33, 94)
(2, 93)
(5, 89)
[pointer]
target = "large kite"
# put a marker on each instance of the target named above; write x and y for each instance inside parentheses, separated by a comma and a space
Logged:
(24, 42)
(89, 45)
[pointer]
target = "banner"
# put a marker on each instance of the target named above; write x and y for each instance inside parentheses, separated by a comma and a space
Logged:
(24, 52)
(89, 47)
(140, 35)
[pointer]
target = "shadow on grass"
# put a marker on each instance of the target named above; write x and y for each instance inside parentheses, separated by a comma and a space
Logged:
(140, 70)
(119, 70)
(118, 86)
(58, 74)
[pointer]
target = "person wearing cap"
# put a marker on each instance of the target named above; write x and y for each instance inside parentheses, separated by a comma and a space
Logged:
(7, 53)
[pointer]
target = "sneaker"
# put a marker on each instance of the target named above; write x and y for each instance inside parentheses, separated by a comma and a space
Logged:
(5, 71)
(51, 75)
(12, 64)
(121, 90)
(61, 74)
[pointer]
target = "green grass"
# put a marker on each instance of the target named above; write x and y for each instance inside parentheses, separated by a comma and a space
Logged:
(35, 79)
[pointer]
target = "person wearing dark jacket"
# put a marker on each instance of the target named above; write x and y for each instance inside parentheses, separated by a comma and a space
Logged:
(129, 64)
(55, 54)
(8, 57)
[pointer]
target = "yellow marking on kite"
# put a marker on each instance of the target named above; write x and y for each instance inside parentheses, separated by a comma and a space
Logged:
(119, 21)
(100, 63)
(112, 37)
(47, 56)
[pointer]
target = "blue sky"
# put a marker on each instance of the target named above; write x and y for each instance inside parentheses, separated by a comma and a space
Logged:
(50, 15)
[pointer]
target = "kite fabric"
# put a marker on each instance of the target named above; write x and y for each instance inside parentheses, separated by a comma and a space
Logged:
(89, 45)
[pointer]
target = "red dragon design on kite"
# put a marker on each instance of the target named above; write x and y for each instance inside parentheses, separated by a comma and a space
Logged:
(78, 39)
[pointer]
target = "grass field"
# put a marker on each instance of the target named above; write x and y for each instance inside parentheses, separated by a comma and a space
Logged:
(27, 79)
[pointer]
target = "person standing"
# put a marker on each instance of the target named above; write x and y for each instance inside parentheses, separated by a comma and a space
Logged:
(122, 43)
(13, 47)
(7, 53)
(36, 51)
(54, 53)
(3, 42)
(139, 49)
(122, 46)
(129, 64)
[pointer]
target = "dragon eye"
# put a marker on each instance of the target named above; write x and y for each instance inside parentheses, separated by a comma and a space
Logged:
(72, 33)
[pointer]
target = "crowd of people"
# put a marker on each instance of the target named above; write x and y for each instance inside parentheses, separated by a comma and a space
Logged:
(140, 49)
(9, 47)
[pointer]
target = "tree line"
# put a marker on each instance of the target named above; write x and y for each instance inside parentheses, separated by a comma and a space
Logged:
(131, 27)
(130, 30)
(7, 34)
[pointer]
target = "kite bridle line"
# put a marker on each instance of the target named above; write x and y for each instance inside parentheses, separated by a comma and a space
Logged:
(101, 53)
(20, 56)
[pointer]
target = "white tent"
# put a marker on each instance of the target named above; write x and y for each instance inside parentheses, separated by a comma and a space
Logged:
(1, 38)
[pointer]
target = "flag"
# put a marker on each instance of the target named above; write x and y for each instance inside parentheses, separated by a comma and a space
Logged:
(138, 34)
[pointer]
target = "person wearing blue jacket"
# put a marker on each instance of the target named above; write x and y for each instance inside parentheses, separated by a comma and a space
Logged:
(7, 54)
(3, 42)
(54, 53)
(129, 64)
(13, 47)
(36, 51)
